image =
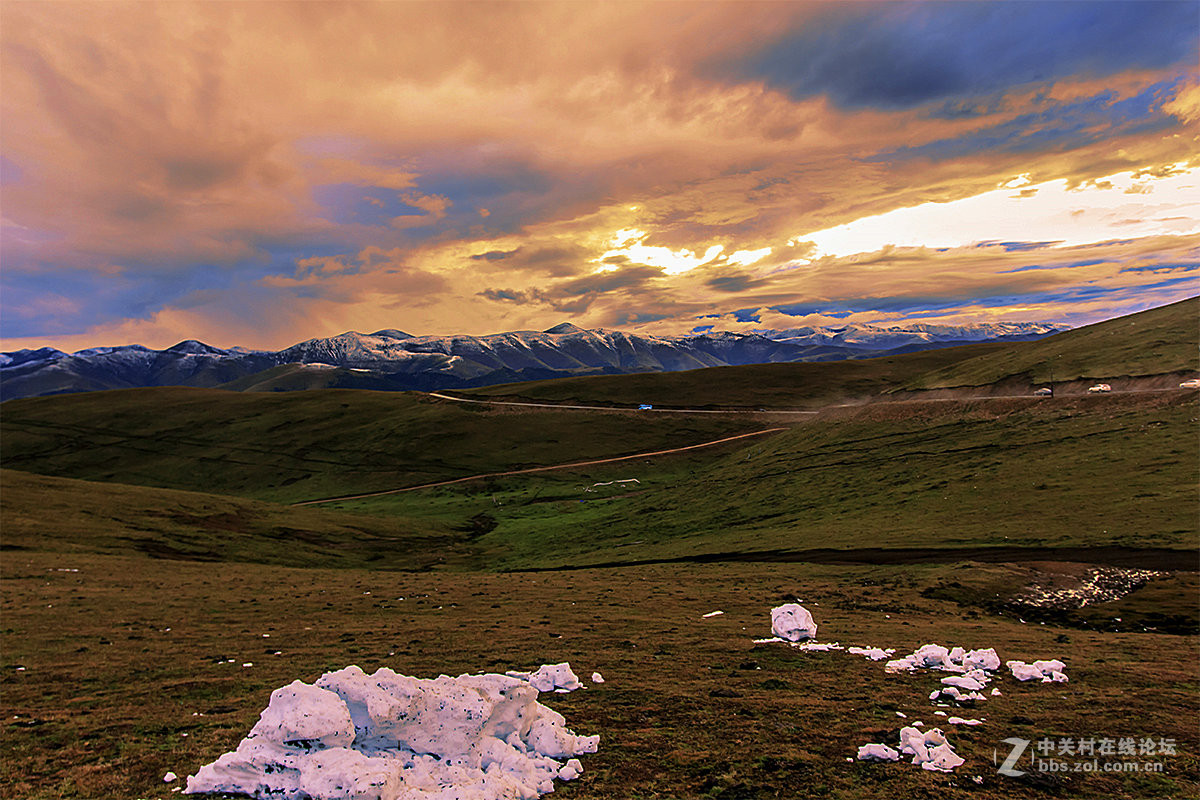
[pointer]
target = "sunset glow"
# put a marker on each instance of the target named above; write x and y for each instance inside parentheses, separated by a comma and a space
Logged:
(260, 173)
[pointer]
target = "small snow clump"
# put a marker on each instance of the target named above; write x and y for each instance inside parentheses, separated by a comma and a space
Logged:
(550, 678)
(877, 752)
(929, 749)
(793, 623)
(1045, 671)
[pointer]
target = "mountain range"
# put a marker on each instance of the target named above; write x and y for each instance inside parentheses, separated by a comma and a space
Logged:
(394, 360)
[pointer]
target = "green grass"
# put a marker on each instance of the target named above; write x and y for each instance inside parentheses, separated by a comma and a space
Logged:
(127, 675)
(70, 517)
(303, 445)
(773, 386)
(1084, 472)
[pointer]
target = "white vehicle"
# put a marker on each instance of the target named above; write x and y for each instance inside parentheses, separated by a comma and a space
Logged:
(1099, 387)
(1194, 383)
(1045, 391)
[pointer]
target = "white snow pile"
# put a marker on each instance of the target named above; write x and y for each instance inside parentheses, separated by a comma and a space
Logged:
(387, 736)
(1045, 671)
(934, 656)
(819, 647)
(929, 749)
(877, 752)
(550, 678)
(873, 653)
(974, 666)
(793, 623)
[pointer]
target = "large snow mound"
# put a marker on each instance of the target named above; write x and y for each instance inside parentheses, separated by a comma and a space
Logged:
(793, 623)
(387, 736)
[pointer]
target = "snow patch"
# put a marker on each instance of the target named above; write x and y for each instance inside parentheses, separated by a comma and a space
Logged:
(550, 678)
(1046, 671)
(929, 749)
(877, 752)
(387, 736)
(873, 653)
(793, 623)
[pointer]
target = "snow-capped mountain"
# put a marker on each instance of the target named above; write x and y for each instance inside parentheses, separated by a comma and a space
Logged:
(913, 335)
(395, 360)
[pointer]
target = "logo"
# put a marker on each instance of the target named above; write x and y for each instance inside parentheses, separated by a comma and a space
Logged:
(1018, 747)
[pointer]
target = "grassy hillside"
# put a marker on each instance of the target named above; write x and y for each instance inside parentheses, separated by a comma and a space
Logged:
(802, 386)
(287, 378)
(302, 445)
(131, 668)
(1089, 471)
(1158, 341)
(71, 517)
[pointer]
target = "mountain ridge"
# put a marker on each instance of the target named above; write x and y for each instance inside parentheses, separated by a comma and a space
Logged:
(390, 359)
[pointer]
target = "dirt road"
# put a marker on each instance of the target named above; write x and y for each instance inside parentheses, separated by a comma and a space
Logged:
(611, 408)
(540, 469)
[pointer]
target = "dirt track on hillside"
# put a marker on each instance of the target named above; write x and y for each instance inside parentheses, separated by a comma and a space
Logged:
(540, 469)
(1156, 558)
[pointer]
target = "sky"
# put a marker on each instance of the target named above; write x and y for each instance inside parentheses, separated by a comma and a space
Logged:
(262, 173)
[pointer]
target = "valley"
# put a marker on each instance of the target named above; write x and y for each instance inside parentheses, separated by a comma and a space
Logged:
(171, 555)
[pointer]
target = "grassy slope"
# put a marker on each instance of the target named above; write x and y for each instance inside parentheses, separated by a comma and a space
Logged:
(1161, 340)
(301, 445)
(71, 517)
(804, 385)
(286, 378)
(1109, 470)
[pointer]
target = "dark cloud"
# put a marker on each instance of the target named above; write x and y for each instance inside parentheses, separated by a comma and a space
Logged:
(192, 173)
(1035, 267)
(1164, 268)
(515, 296)
(494, 255)
(638, 318)
(902, 55)
(1055, 127)
(554, 262)
(734, 283)
(601, 282)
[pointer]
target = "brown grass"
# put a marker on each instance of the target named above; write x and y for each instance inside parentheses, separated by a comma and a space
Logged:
(110, 699)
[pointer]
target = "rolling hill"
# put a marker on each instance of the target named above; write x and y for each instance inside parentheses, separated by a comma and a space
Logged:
(1164, 340)
(61, 515)
(301, 445)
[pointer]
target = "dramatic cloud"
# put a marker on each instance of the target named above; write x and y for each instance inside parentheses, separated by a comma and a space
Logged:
(260, 173)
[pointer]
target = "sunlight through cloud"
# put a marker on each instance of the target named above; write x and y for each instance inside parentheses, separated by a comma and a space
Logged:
(1121, 206)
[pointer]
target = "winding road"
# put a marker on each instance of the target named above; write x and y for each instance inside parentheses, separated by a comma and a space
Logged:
(540, 469)
(612, 408)
(577, 464)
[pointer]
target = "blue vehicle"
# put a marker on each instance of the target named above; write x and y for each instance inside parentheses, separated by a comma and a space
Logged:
(645, 407)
